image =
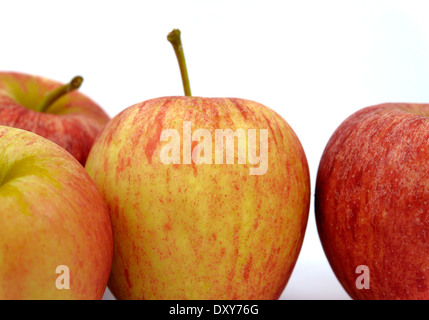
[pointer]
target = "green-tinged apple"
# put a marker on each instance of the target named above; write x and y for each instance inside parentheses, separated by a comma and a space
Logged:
(197, 213)
(70, 119)
(55, 231)
(372, 202)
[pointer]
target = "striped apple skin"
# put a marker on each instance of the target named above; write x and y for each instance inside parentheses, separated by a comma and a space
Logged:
(72, 122)
(372, 201)
(51, 214)
(200, 231)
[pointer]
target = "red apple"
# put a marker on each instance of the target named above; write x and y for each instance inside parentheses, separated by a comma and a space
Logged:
(42, 106)
(193, 218)
(372, 202)
(55, 231)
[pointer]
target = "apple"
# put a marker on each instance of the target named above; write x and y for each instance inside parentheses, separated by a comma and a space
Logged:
(196, 215)
(56, 236)
(372, 202)
(70, 119)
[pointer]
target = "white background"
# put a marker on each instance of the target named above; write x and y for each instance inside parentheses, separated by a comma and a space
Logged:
(313, 62)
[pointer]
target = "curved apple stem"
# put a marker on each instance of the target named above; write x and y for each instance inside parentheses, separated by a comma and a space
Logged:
(174, 38)
(54, 95)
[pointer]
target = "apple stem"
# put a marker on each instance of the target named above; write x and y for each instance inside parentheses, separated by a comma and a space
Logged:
(55, 94)
(174, 38)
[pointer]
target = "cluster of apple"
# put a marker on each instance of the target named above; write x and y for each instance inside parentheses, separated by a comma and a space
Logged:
(93, 194)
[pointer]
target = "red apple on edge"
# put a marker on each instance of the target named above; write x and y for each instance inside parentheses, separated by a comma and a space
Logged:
(372, 202)
(55, 231)
(193, 219)
(45, 107)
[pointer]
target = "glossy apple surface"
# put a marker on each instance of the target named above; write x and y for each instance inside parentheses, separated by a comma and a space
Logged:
(73, 121)
(51, 214)
(200, 231)
(372, 201)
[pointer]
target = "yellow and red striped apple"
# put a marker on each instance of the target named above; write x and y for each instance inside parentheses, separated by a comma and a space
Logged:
(372, 202)
(196, 215)
(51, 215)
(42, 106)
(200, 231)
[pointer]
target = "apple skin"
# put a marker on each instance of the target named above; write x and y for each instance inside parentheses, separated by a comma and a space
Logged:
(72, 122)
(51, 214)
(188, 231)
(372, 201)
